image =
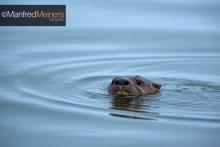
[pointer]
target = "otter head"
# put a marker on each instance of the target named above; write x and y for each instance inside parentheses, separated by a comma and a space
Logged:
(132, 86)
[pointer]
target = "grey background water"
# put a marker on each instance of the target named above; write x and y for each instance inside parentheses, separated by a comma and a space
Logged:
(53, 79)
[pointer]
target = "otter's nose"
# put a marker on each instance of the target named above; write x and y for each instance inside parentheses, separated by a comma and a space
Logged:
(122, 82)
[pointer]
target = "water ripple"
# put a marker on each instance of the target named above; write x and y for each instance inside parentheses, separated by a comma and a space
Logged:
(81, 83)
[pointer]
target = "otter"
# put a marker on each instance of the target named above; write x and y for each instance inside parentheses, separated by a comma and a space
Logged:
(133, 86)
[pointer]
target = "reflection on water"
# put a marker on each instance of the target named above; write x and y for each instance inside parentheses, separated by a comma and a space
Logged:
(136, 105)
(127, 103)
(54, 80)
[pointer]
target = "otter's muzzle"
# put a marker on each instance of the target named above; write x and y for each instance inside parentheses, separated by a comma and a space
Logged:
(121, 82)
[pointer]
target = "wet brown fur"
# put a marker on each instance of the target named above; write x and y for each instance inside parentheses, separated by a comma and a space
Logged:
(138, 86)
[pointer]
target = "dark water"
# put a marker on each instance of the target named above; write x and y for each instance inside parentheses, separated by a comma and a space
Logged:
(53, 80)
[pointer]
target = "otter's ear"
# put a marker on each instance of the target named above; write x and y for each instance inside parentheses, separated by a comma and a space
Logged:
(157, 86)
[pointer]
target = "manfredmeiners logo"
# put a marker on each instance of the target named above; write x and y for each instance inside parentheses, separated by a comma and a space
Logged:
(58, 15)
(32, 15)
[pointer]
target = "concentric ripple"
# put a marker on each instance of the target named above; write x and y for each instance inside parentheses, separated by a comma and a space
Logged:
(81, 83)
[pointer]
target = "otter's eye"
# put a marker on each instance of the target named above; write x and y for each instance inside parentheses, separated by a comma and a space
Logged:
(139, 82)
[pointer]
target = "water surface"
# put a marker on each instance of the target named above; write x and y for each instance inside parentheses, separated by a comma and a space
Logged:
(53, 80)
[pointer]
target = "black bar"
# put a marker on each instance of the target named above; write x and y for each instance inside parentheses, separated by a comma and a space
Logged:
(32, 15)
